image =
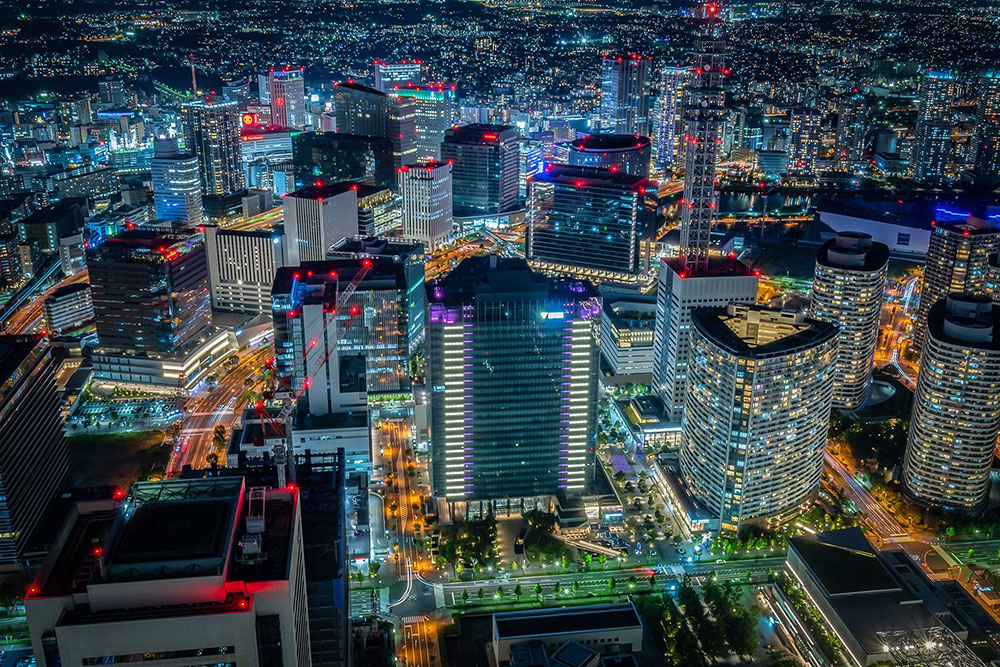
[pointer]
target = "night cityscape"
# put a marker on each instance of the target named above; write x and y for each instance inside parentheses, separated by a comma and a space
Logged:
(500, 333)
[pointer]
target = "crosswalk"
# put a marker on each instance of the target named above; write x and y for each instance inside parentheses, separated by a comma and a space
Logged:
(408, 620)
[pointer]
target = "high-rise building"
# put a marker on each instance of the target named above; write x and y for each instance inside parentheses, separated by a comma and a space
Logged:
(368, 112)
(176, 183)
(389, 76)
(513, 377)
(111, 91)
(485, 168)
(150, 291)
(380, 210)
(317, 217)
(242, 266)
(329, 157)
(848, 289)
(287, 95)
(804, 143)
(991, 285)
(196, 571)
(986, 140)
(692, 280)
(68, 307)
(667, 115)
(587, 222)
(756, 413)
(852, 133)
(956, 407)
(624, 153)
(34, 459)
(212, 132)
(436, 111)
(10, 260)
(625, 89)
(427, 202)
(532, 159)
(957, 260)
(932, 137)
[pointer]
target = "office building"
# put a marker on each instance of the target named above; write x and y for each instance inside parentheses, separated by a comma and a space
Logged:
(804, 144)
(852, 133)
(68, 308)
(287, 97)
(957, 261)
(380, 210)
(532, 159)
(48, 225)
(317, 217)
(389, 76)
(991, 285)
(263, 151)
(625, 89)
(330, 157)
(242, 266)
(10, 260)
(586, 222)
(34, 459)
(625, 153)
(212, 133)
(956, 407)
(930, 155)
(627, 327)
(111, 92)
(986, 141)
(436, 111)
(368, 112)
(176, 181)
(667, 125)
(756, 413)
(426, 189)
(485, 168)
(888, 611)
(517, 426)
(848, 290)
(199, 571)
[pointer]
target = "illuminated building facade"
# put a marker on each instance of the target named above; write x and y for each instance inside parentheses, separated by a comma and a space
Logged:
(485, 168)
(625, 153)
(329, 157)
(176, 184)
(957, 260)
(956, 407)
(932, 141)
(852, 133)
(756, 413)
(667, 116)
(625, 89)
(586, 221)
(987, 137)
(389, 76)
(212, 132)
(241, 268)
(848, 288)
(316, 217)
(287, 96)
(804, 125)
(426, 189)
(436, 111)
(368, 112)
(513, 377)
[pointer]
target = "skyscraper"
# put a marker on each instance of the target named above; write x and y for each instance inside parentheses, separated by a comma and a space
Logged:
(756, 413)
(625, 153)
(667, 115)
(241, 267)
(329, 157)
(111, 91)
(287, 95)
(692, 280)
(485, 168)
(932, 138)
(586, 221)
(368, 112)
(513, 377)
(957, 258)
(625, 88)
(436, 111)
(317, 217)
(34, 459)
(176, 181)
(852, 133)
(212, 132)
(427, 202)
(804, 144)
(848, 289)
(956, 407)
(987, 136)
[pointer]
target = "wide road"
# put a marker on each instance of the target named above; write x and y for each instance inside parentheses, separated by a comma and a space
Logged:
(888, 528)
(29, 316)
(222, 405)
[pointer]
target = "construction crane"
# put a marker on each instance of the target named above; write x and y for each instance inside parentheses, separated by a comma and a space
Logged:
(283, 391)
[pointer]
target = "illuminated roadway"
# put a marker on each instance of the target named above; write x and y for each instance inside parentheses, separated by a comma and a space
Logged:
(28, 315)
(886, 526)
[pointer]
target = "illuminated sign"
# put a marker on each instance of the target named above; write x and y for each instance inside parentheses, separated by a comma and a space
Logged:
(250, 118)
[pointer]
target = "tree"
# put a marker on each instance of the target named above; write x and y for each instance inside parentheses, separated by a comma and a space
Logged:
(587, 559)
(518, 592)
(576, 587)
(212, 459)
(481, 594)
(360, 576)
(373, 568)
(538, 590)
(499, 593)
(465, 597)
(602, 559)
(949, 531)
(612, 584)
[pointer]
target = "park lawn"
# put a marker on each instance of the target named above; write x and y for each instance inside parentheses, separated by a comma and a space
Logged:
(116, 459)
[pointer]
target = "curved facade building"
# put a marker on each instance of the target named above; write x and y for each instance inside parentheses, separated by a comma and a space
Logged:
(847, 292)
(756, 413)
(628, 153)
(956, 408)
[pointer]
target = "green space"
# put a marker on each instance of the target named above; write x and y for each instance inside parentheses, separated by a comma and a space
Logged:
(808, 614)
(117, 459)
(777, 261)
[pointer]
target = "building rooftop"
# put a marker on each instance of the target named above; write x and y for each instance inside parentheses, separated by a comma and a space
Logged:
(561, 620)
(597, 143)
(591, 177)
(479, 133)
(350, 84)
(758, 332)
(831, 555)
(496, 277)
(67, 290)
(853, 251)
(321, 192)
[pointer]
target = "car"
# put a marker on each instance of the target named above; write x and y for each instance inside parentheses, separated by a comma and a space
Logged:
(720, 561)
